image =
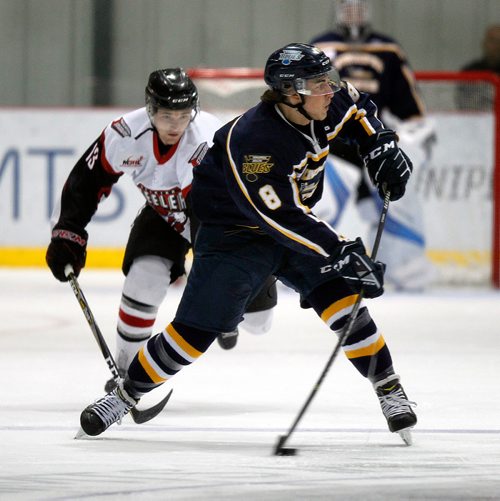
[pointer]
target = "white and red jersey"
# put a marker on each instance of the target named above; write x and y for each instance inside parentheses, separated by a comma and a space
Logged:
(130, 145)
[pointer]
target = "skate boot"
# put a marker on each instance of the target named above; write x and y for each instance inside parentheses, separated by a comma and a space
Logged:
(109, 409)
(396, 407)
(110, 384)
(228, 340)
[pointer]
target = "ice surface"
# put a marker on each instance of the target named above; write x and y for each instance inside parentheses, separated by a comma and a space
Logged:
(215, 438)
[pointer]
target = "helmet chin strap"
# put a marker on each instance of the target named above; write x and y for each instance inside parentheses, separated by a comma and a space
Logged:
(301, 110)
(299, 107)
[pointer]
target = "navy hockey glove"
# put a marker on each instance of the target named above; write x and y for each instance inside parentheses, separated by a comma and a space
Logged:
(66, 247)
(359, 271)
(389, 167)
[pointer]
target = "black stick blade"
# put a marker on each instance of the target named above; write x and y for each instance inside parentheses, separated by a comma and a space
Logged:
(280, 444)
(143, 416)
(286, 451)
(280, 450)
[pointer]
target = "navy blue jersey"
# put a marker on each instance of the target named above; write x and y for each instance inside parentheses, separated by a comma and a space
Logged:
(378, 67)
(266, 173)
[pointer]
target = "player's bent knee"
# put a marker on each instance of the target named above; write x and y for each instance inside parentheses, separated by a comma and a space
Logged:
(148, 279)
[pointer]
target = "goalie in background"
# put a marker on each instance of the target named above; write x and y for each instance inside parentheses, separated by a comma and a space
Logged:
(374, 63)
(157, 146)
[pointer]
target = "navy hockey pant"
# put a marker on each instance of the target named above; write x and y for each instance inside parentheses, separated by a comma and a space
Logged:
(229, 269)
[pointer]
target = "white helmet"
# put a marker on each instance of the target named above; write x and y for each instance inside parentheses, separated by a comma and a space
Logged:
(353, 18)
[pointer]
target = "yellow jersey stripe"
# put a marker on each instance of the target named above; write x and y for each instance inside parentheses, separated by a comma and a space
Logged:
(371, 47)
(408, 74)
(367, 126)
(350, 112)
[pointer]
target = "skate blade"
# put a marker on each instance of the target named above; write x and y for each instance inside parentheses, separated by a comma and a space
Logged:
(81, 435)
(406, 436)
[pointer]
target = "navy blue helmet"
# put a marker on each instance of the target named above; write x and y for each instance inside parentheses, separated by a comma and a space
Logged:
(288, 68)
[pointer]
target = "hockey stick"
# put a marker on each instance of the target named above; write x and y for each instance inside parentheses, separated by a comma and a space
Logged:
(280, 449)
(139, 416)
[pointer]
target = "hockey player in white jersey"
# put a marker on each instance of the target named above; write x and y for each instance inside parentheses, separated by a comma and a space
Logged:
(157, 146)
(375, 63)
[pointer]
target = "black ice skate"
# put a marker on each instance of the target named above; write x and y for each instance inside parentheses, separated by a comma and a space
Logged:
(109, 409)
(110, 384)
(396, 407)
(228, 340)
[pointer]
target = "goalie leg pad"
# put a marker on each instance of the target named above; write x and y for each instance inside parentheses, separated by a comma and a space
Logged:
(403, 247)
(340, 185)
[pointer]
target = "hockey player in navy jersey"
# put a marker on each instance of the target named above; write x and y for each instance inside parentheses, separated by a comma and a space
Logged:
(376, 64)
(157, 146)
(254, 193)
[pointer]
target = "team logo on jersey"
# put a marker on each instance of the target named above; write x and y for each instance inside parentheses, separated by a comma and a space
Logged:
(121, 127)
(198, 155)
(255, 165)
(287, 56)
(132, 162)
(164, 201)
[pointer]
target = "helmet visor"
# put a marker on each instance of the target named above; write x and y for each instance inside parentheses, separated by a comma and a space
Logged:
(321, 85)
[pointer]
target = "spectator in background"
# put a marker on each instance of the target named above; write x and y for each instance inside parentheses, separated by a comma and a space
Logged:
(490, 61)
(374, 63)
(477, 96)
